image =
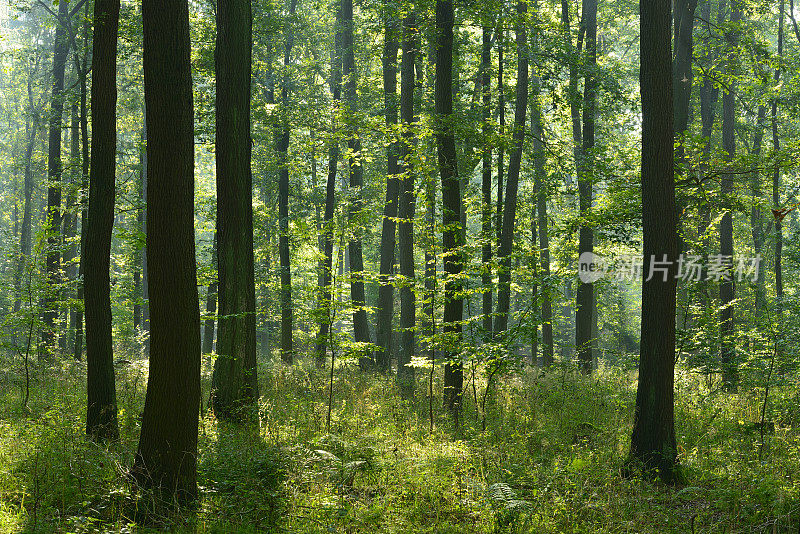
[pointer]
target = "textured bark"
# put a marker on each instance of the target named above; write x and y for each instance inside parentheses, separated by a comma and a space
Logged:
(101, 408)
(166, 459)
(330, 202)
(54, 170)
(682, 64)
(355, 164)
(727, 288)
(282, 147)
(234, 383)
(385, 307)
(653, 441)
(585, 300)
(512, 185)
(407, 209)
(451, 210)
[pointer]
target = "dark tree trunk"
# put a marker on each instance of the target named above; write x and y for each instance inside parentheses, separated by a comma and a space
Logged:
(407, 209)
(54, 169)
(31, 129)
(234, 382)
(355, 163)
(653, 441)
(385, 308)
(682, 64)
(776, 175)
(541, 223)
(585, 301)
(757, 228)
(451, 210)
(101, 408)
(167, 455)
(330, 202)
(282, 147)
(211, 302)
(727, 288)
(486, 184)
(501, 110)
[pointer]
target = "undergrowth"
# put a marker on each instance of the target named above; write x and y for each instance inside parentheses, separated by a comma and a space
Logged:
(550, 459)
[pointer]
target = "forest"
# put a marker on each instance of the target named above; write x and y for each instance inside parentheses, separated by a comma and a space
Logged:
(337, 266)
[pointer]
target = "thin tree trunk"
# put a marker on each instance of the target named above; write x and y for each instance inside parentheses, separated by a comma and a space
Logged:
(541, 222)
(54, 170)
(211, 303)
(330, 201)
(282, 145)
(385, 308)
(512, 185)
(727, 288)
(585, 301)
(653, 441)
(167, 455)
(776, 176)
(486, 184)
(82, 67)
(101, 411)
(235, 383)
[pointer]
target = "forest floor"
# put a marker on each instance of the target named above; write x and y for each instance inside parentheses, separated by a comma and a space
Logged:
(550, 459)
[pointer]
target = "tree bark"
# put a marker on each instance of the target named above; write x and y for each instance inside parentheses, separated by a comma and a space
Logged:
(167, 455)
(407, 210)
(585, 300)
(235, 382)
(385, 307)
(451, 210)
(653, 441)
(776, 175)
(101, 411)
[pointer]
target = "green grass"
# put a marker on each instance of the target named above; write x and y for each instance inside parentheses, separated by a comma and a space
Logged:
(549, 461)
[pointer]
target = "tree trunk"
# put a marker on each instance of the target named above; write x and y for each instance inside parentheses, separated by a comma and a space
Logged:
(101, 412)
(167, 455)
(653, 441)
(486, 184)
(54, 169)
(585, 301)
(355, 164)
(727, 288)
(211, 302)
(330, 202)
(385, 308)
(776, 176)
(451, 210)
(282, 147)
(512, 184)
(234, 382)
(541, 222)
(71, 222)
(407, 209)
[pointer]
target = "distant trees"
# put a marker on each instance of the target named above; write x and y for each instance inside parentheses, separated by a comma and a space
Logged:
(167, 455)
